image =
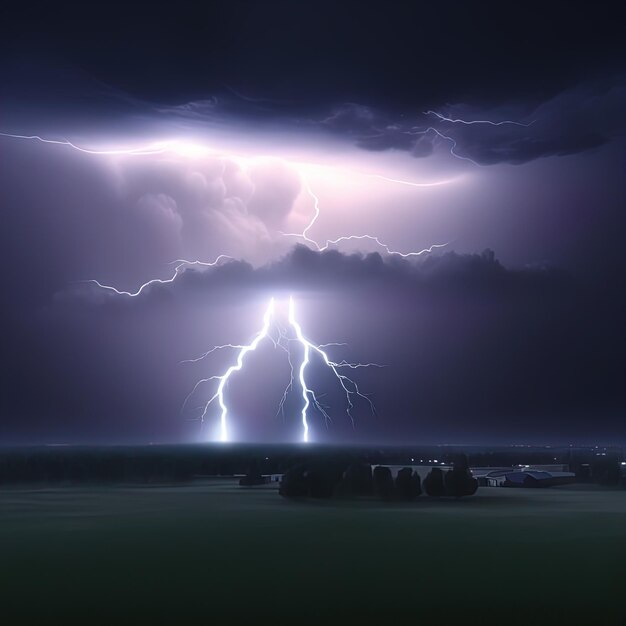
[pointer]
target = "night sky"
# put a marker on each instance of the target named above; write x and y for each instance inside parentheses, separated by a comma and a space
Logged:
(214, 129)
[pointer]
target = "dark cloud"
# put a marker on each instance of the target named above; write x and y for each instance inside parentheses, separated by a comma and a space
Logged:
(57, 100)
(574, 121)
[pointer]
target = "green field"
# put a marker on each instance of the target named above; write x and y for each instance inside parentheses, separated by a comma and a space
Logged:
(212, 552)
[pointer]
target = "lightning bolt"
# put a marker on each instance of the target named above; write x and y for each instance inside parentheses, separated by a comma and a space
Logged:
(211, 351)
(305, 361)
(321, 247)
(195, 150)
(154, 148)
(316, 403)
(410, 183)
(443, 118)
(309, 397)
(219, 394)
(453, 143)
(349, 387)
(180, 265)
(281, 343)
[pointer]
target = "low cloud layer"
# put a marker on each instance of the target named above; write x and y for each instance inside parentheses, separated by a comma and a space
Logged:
(305, 271)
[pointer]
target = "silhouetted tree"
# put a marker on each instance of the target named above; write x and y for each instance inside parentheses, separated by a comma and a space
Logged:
(416, 485)
(383, 482)
(605, 469)
(295, 482)
(356, 480)
(253, 477)
(322, 481)
(460, 461)
(433, 483)
(316, 479)
(408, 485)
(459, 480)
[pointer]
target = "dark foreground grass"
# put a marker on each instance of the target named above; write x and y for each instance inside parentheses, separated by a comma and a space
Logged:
(214, 553)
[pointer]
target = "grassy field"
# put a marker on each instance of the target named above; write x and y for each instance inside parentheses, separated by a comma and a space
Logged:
(212, 552)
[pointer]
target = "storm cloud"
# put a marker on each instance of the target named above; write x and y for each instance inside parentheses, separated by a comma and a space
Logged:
(426, 124)
(574, 121)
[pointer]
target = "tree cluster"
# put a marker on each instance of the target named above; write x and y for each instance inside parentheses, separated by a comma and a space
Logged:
(326, 480)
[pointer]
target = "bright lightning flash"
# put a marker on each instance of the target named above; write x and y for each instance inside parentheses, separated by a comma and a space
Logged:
(219, 394)
(349, 386)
